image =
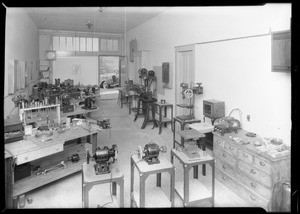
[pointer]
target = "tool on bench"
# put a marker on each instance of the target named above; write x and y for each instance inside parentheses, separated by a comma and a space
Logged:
(74, 158)
(57, 166)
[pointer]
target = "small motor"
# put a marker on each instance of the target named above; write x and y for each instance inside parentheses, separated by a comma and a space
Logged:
(151, 152)
(103, 157)
(104, 123)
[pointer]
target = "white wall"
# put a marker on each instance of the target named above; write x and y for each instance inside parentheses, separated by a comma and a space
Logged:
(181, 26)
(62, 69)
(21, 43)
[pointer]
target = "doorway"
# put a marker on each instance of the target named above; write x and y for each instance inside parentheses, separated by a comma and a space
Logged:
(185, 73)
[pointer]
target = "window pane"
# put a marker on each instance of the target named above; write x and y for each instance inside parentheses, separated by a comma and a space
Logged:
(82, 43)
(70, 44)
(95, 44)
(109, 45)
(76, 43)
(103, 45)
(89, 44)
(62, 43)
(115, 45)
(56, 43)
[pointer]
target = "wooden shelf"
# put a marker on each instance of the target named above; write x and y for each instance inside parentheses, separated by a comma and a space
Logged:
(34, 181)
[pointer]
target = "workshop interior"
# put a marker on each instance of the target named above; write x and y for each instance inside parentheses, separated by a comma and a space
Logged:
(113, 107)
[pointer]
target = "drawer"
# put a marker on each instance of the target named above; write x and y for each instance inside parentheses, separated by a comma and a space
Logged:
(229, 147)
(241, 191)
(33, 155)
(252, 197)
(226, 168)
(245, 156)
(262, 164)
(218, 141)
(256, 174)
(253, 185)
(224, 156)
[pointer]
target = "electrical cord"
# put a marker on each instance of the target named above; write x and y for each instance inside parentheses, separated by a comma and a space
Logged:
(111, 198)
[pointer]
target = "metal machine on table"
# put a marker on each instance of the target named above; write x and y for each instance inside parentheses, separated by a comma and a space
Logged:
(150, 152)
(227, 125)
(188, 91)
(103, 157)
(66, 103)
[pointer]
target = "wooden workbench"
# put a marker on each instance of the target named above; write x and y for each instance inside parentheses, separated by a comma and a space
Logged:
(33, 149)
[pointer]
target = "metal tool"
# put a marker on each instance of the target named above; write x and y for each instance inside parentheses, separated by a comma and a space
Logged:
(151, 152)
(45, 171)
(103, 157)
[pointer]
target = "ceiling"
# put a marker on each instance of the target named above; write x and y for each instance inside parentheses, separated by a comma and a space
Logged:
(110, 20)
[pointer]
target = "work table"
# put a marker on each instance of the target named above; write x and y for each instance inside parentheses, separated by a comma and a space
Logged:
(45, 153)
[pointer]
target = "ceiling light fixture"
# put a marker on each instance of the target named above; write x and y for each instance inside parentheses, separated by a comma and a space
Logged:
(89, 25)
(100, 9)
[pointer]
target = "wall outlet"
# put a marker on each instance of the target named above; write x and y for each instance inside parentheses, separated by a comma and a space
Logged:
(248, 117)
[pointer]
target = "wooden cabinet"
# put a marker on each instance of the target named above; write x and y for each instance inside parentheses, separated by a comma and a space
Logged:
(247, 171)
(281, 51)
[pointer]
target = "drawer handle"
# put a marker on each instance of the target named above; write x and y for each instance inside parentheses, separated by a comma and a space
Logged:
(253, 185)
(262, 163)
(253, 171)
(252, 198)
(224, 155)
(245, 155)
(230, 147)
(224, 167)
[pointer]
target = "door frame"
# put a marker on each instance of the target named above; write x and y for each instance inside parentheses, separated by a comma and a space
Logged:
(178, 59)
(119, 56)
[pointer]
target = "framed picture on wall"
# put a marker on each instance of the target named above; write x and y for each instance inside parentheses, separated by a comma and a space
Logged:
(76, 69)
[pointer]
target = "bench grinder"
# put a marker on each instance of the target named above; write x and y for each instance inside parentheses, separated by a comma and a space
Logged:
(151, 152)
(103, 157)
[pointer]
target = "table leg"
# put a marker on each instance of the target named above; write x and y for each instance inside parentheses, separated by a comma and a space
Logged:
(174, 134)
(122, 98)
(213, 182)
(138, 109)
(129, 103)
(182, 127)
(172, 186)
(131, 181)
(122, 192)
(146, 118)
(159, 120)
(158, 179)
(195, 172)
(114, 188)
(186, 185)
(142, 190)
(203, 148)
(165, 115)
(8, 182)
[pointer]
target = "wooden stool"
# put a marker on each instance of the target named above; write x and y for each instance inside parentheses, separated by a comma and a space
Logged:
(123, 95)
(89, 179)
(159, 199)
(198, 191)
(163, 119)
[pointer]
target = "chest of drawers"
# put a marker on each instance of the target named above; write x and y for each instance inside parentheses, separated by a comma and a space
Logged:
(248, 172)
